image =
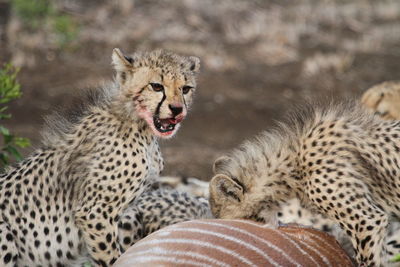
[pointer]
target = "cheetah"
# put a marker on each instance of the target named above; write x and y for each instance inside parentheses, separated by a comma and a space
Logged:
(384, 99)
(156, 209)
(61, 205)
(338, 160)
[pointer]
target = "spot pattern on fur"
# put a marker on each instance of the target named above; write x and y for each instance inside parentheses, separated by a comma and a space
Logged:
(156, 209)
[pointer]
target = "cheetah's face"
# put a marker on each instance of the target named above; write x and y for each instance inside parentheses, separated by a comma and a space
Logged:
(158, 87)
(229, 199)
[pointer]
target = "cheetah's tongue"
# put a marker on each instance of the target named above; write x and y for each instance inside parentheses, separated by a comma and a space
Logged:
(174, 120)
(177, 119)
(171, 121)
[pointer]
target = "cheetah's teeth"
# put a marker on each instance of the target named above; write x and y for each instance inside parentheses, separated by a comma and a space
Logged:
(164, 125)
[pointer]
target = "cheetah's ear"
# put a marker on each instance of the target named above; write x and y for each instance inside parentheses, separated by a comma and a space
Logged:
(121, 64)
(224, 188)
(194, 64)
(120, 61)
(219, 163)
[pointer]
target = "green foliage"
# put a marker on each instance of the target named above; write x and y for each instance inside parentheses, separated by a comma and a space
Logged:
(9, 87)
(37, 13)
(32, 12)
(395, 258)
(66, 29)
(9, 90)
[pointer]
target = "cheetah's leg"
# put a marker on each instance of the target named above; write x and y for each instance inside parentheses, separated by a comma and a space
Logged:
(99, 230)
(130, 228)
(9, 252)
(368, 237)
(352, 207)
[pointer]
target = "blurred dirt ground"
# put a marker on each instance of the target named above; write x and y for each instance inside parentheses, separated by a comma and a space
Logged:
(259, 58)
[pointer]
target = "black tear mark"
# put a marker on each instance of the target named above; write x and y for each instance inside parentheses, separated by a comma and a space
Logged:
(184, 102)
(160, 104)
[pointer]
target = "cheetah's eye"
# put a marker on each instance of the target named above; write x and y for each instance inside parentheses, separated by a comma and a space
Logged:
(186, 89)
(157, 87)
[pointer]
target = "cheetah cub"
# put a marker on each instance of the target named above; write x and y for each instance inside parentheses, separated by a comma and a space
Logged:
(384, 100)
(61, 206)
(338, 160)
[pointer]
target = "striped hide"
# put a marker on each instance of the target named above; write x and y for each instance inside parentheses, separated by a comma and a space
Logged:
(235, 243)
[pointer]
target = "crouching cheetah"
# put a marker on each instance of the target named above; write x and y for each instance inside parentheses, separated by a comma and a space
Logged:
(338, 160)
(63, 203)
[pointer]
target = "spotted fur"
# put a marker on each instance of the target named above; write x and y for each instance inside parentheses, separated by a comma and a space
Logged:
(190, 185)
(384, 99)
(61, 205)
(338, 160)
(156, 209)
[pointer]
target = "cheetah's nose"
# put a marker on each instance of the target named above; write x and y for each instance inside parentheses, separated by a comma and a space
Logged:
(175, 109)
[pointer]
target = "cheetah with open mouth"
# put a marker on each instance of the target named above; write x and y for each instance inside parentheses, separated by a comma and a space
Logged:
(61, 205)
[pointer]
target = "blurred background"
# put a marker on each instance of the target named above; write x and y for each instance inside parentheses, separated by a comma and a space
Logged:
(259, 58)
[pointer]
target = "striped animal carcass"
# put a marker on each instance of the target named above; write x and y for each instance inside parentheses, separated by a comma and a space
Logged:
(235, 243)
